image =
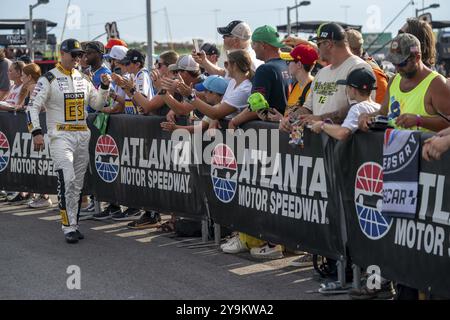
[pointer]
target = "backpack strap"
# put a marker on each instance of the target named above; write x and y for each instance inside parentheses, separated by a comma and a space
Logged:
(302, 99)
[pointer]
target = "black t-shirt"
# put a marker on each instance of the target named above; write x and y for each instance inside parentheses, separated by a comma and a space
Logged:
(164, 110)
(272, 80)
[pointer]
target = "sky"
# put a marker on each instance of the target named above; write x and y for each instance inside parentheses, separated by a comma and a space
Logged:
(179, 20)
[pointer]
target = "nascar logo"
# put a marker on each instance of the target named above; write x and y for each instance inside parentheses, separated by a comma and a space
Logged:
(224, 173)
(107, 158)
(4, 152)
(369, 201)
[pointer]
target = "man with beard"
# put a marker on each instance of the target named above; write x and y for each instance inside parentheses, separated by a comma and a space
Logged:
(416, 94)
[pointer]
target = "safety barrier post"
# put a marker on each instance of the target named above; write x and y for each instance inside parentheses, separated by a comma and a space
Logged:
(341, 264)
(217, 234)
(97, 206)
(205, 230)
(356, 276)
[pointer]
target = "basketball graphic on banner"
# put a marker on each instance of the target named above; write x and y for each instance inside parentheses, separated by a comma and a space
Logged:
(369, 201)
(107, 158)
(4, 152)
(224, 173)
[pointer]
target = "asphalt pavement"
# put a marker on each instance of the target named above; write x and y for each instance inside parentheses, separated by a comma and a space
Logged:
(114, 262)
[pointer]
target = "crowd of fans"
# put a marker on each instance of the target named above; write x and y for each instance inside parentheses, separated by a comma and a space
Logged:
(328, 84)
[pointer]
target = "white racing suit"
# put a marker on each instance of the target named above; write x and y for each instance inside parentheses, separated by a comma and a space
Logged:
(66, 95)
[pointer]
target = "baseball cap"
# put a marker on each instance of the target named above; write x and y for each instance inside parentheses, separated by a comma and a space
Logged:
(361, 78)
(95, 46)
(25, 59)
(269, 35)
(236, 28)
(71, 45)
(355, 38)
(330, 31)
(117, 53)
(402, 47)
(186, 63)
(215, 84)
(115, 42)
(303, 53)
(133, 56)
(210, 49)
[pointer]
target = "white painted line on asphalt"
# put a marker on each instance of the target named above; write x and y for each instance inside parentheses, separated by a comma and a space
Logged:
(232, 265)
(300, 269)
(51, 218)
(134, 233)
(117, 230)
(261, 267)
(29, 213)
(302, 280)
(110, 226)
(175, 242)
(206, 251)
(149, 239)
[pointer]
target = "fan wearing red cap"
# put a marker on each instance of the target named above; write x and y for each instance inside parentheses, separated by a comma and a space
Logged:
(114, 42)
(302, 60)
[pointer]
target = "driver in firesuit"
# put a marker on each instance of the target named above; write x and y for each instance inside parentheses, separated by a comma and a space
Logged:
(65, 93)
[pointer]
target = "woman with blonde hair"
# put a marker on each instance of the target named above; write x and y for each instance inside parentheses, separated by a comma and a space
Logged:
(30, 75)
(15, 75)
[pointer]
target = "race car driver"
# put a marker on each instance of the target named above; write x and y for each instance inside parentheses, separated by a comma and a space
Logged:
(65, 93)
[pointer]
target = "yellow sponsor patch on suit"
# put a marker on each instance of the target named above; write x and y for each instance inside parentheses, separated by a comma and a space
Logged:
(64, 218)
(74, 106)
(71, 127)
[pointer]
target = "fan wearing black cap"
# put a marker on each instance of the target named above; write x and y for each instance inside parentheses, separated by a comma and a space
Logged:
(65, 93)
(212, 55)
(359, 85)
(327, 99)
(135, 65)
(94, 51)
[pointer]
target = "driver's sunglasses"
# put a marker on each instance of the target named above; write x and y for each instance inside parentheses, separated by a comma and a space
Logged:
(76, 54)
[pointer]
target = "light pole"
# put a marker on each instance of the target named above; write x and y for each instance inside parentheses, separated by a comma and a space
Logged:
(216, 11)
(89, 26)
(30, 28)
(433, 6)
(301, 4)
(149, 35)
(346, 7)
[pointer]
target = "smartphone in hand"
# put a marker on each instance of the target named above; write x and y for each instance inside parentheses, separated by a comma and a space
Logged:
(196, 45)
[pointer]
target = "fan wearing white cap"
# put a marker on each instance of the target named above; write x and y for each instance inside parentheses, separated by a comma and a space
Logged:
(121, 100)
(188, 72)
(236, 35)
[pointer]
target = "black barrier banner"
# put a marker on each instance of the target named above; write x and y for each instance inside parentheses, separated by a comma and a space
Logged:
(283, 196)
(21, 168)
(137, 164)
(414, 252)
(400, 173)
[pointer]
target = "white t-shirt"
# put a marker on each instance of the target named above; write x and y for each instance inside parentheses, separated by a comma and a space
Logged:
(13, 95)
(326, 96)
(237, 96)
(129, 105)
(351, 121)
(143, 83)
